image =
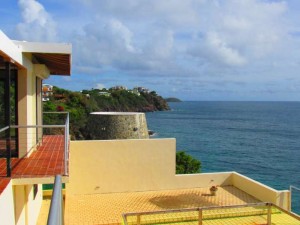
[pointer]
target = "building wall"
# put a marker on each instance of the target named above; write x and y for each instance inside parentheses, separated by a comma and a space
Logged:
(122, 165)
(39, 105)
(29, 87)
(27, 205)
(20, 204)
(7, 216)
(26, 106)
(34, 203)
(131, 165)
(22, 111)
(29, 103)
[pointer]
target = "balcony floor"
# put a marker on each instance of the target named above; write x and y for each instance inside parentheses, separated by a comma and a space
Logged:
(46, 161)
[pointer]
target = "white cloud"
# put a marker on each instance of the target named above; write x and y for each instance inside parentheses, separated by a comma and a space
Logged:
(221, 51)
(197, 40)
(111, 43)
(167, 11)
(102, 43)
(99, 86)
(117, 29)
(233, 32)
(37, 23)
(161, 44)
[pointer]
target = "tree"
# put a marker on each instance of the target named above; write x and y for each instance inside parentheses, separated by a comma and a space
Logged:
(186, 164)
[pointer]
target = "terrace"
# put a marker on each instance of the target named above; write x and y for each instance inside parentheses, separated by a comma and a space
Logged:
(106, 189)
(47, 158)
(229, 206)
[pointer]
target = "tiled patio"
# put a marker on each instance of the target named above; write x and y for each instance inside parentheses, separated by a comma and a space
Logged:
(108, 208)
(47, 160)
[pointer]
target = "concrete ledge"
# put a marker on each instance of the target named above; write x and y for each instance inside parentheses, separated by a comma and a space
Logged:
(37, 180)
(203, 180)
(260, 191)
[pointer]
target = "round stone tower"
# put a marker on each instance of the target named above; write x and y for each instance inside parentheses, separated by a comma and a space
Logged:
(117, 125)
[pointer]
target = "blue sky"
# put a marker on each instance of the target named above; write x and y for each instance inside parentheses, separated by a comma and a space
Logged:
(191, 49)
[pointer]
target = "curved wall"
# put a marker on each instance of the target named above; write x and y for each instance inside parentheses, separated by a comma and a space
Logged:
(117, 125)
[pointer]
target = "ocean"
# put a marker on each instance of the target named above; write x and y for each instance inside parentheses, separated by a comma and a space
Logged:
(258, 139)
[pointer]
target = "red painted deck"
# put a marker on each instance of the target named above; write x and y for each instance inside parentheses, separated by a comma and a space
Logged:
(47, 160)
(3, 183)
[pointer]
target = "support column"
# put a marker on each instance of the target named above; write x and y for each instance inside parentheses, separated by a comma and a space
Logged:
(39, 108)
(7, 117)
(23, 111)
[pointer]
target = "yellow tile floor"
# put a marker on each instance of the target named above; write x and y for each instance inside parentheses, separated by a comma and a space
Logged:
(108, 208)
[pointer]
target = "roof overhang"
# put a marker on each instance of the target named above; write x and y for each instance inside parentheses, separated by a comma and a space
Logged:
(56, 56)
(9, 52)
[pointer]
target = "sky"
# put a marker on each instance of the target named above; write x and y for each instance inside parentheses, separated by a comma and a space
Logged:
(235, 50)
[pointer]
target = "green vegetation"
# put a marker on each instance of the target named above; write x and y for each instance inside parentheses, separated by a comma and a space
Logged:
(79, 105)
(172, 99)
(12, 91)
(186, 164)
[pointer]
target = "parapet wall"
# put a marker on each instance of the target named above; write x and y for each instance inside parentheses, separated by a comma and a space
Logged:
(261, 191)
(147, 165)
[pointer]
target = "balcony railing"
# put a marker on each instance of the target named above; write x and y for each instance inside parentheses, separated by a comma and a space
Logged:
(263, 211)
(15, 137)
(292, 189)
(5, 150)
(56, 215)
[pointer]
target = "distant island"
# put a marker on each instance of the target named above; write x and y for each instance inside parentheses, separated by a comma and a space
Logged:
(172, 99)
(115, 99)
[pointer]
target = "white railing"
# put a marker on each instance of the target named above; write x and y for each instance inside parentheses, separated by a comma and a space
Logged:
(4, 129)
(7, 139)
(36, 133)
(291, 193)
(67, 137)
(56, 215)
(198, 214)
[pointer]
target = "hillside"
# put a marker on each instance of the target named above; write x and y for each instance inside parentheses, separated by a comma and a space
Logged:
(81, 104)
(172, 99)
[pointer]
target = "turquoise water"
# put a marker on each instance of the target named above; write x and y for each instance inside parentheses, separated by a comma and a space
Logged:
(258, 139)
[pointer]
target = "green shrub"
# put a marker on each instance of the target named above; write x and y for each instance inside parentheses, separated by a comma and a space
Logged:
(186, 164)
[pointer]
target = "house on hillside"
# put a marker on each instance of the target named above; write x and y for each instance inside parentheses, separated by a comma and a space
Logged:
(47, 92)
(141, 90)
(118, 88)
(104, 93)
